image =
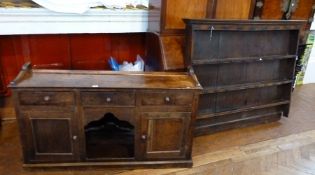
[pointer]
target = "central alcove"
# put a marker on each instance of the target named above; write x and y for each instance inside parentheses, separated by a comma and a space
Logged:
(109, 137)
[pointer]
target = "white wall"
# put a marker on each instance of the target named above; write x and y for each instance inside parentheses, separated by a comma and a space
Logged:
(309, 76)
(42, 21)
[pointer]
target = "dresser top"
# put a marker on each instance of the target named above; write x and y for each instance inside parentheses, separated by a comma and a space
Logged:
(234, 22)
(104, 79)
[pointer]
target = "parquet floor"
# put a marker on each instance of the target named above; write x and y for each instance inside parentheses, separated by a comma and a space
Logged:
(286, 147)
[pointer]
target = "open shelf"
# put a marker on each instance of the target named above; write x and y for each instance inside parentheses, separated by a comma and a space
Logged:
(237, 120)
(109, 137)
(237, 123)
(246, 69)
(244, 86)
(243, 45)
(242, 98)
(215, 77)
(240, 59)
(205, 114)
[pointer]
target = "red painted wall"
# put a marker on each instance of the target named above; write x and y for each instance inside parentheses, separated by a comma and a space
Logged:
(70, 51)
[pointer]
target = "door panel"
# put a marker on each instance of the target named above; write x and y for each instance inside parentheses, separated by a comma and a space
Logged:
(46, 141)
(272, 9)
(233, 9)
(163, 134)
(176, 10)
(50, 137)
(303, 10)
(275, 9)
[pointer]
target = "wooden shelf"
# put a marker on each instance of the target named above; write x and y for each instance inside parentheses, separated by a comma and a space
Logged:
(238, 120)
(240, 59)
(204, 115)
(243, 86)
(246, 70)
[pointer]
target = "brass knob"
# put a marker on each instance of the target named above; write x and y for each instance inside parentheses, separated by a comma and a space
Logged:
(108, 99)
(167, 99)
(74, 137)
(143, 137)
(46, 98)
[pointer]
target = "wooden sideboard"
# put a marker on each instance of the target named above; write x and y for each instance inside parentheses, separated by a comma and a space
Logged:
(105, 118)
(246, 69)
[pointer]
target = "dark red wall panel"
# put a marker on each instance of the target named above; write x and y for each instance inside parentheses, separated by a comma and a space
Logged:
(69, 51)
(11, 58)
(126, 47)
(49, 51)
(90, 51)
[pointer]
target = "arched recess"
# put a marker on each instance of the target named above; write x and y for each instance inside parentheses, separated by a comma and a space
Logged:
(109, 136)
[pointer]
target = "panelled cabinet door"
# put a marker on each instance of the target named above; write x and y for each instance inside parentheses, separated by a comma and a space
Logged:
(163, 134)
(50, 137)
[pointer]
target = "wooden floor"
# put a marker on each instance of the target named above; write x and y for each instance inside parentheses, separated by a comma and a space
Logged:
(282, 148)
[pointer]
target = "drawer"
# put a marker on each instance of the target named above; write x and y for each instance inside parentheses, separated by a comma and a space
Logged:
(168, 98)
(165, 115)
(46, 98)
(110, 98)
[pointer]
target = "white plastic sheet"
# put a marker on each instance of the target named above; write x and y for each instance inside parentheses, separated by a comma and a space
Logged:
(137, 66)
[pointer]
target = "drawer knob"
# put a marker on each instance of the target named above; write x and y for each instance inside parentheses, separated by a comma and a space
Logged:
(108, 99)
(46, 98)
(143, 137)
(74, 137)
(167, 99)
